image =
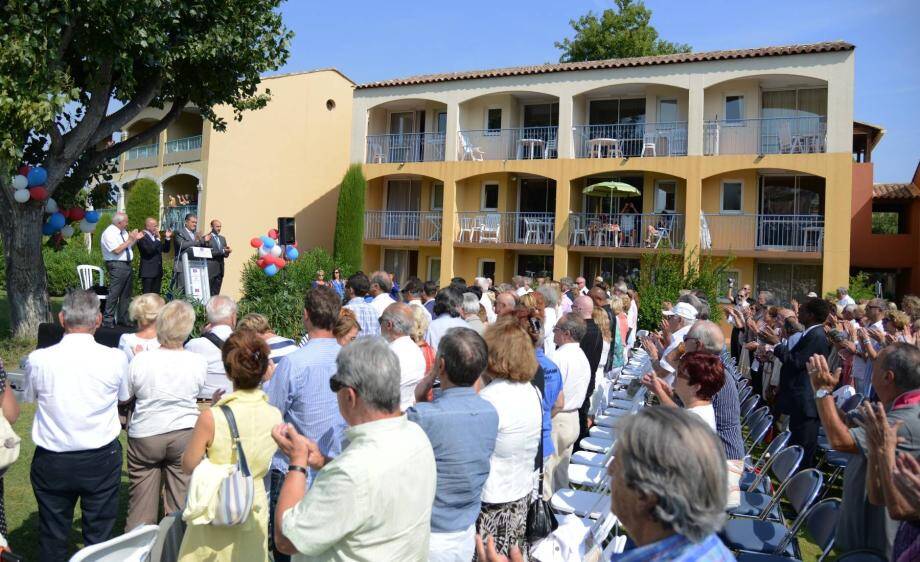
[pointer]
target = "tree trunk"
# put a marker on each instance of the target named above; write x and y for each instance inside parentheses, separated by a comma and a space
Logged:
(26, 282)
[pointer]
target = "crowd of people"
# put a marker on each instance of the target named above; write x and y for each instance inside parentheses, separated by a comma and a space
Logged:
(419, 422)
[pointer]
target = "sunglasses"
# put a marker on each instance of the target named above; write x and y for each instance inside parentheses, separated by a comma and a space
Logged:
(335, 386)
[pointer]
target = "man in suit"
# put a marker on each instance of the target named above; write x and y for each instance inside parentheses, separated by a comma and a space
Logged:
(592, 345)
(186, 237)
(796, 396)
(219, 251)
(151, 250)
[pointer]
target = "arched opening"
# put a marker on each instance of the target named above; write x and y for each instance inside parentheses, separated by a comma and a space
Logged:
(766, 114)
(509, 126)
(406, 130)
(183, 138)
(146, 155)
(180, 197)
(629, 120)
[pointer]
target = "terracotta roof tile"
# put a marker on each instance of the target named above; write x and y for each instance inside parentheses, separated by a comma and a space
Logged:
(826, 47)
(895, 191)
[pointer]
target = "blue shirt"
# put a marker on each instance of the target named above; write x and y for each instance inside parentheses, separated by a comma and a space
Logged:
(462, 428)
(300, 389)
(552, 386)
(678, 548)
(366, 315)
(339, 287)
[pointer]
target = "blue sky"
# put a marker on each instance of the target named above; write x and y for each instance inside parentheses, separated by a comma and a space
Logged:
(373, 40)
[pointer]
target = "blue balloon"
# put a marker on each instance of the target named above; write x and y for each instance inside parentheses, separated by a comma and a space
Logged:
(292, 253)
(37, 176)
(57, 220)
(48, 229)
(91, 217)
(267, 242)
(270, 269)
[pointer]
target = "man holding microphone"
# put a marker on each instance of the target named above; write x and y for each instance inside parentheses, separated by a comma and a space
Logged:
(117, 243)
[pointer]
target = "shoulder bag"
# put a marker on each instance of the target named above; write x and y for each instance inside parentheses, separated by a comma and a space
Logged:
(236, 492)
(540, 519)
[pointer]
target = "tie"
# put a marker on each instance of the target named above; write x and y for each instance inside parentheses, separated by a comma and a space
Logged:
(217, 238)
(129, 248)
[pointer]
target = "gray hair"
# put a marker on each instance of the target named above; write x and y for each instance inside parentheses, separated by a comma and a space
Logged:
(851, 308)
(382, 280)
(903, 360)
(221, 309)
(842, 291)
(621, 287)
(710, 336)
(692, 300)
(118, 217)
(566, 282)
(175, 323)
(673, 455)
(769, 298)
(80, 309)
(550, 295)
(400, 318)
(470, 303)
(572, 324)
(370, 367)
(483, 283)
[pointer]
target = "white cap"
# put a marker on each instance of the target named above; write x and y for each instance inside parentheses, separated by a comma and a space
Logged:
(812, 295)
(682, 309)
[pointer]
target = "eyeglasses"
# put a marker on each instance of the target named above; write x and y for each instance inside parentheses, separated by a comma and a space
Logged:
(335, 385)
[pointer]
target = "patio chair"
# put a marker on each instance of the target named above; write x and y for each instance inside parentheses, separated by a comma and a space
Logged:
(491, 228)
(135, 545)
(788, 144)
(551, 150)
(532, 231)
(88, 275)
(649, 144)
(470, 225)
(577, 224)
(375, 153)
(470, 152)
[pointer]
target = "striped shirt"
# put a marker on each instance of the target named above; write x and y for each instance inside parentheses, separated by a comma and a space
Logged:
(727, 408)
(367, 315)
(278, 347)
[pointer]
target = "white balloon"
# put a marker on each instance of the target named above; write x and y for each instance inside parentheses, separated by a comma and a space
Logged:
(67, 231)
(262, 251)
(275, 251)
(87, 227)
(51, 206)
(20, 182)
(21, 195)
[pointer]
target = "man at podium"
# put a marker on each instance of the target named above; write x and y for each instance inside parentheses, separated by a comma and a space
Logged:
(187, 237)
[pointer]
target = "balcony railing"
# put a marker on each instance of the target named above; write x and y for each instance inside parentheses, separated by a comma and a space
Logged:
(505, 228)
(524, 143)
(631, 139)
(174, 217)
(744, 232)
(184, 144)
(402, 225)
(139, 152)
(780, 135)
(412, 147)
(626, 230)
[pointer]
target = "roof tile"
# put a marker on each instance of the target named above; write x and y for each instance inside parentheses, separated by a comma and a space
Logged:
(895, 191)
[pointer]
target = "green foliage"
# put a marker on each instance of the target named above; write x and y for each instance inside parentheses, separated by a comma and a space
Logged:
(616, 33)
(861, 288)
(280, 298)
(663, 277)
(349, 220)
(142, 201)
(61, 266)
(885, 223)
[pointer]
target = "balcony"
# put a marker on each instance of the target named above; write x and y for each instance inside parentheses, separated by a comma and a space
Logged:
(626, 230)
(186, 149)
(522, 143)
(174, 217)
(407, 147)
(421, 226)
(487, 228)
(780, 135)
(758, 233)
(631, 139)
(142, 157)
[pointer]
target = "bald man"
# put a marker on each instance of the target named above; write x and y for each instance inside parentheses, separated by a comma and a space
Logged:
(505, 303)
(592, 344)
(396, 324)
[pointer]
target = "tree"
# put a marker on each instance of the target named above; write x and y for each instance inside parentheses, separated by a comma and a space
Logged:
(349, 220)
(142, 201)
(74, 73)
(615, 34)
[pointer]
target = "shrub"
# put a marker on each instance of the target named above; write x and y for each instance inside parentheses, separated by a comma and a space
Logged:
(142, 201)
(280, 298)
(61, 267)
(349, 220)
(861, 288)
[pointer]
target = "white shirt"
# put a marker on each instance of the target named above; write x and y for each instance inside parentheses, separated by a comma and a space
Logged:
(845, 301)
(418, 302)
(76, 385)
(520, 415)
(128, 342)
(677, 338)
(707, 413)
(217, 377)
(549, 322)
(521, 291)
(486, 303)
(411, 369)
(113, 237)
(439, 327)
(381, 302)
(166, 383)
(576, 374)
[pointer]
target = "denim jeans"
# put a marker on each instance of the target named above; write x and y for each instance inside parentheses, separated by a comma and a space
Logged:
(276, 481)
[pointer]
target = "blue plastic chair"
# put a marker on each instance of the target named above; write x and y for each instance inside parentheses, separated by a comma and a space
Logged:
(743, 393)
(772, 537)
(821, 522)
(782, 466)
(752, 472)
(759, 432)
(756, 416)
(748, 406)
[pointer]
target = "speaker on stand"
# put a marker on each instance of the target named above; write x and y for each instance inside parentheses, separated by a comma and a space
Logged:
(286, 231)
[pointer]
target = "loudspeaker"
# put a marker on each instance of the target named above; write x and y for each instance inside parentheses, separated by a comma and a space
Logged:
(286, 233)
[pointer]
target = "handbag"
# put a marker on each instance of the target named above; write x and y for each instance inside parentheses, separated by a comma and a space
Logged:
(540, 519)
(9, 445)
(236, 492)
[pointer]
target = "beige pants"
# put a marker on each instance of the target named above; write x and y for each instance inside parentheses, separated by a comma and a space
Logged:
(556, 468)
(155, 464)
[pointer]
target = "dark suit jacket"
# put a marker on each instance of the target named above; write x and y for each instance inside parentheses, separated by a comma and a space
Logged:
(182, 241)
(796, 396)
(216, 263)
(151, 253)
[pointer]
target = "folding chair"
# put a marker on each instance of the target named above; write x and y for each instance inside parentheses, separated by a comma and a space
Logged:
(759, 432)
(782, 466)
(747, 406)
(589, 475)
(821, 524)
(592, 503)
(135, 545)
(750, 480)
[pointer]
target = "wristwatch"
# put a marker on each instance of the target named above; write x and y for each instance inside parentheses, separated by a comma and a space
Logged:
(297, 468)
(821, 393)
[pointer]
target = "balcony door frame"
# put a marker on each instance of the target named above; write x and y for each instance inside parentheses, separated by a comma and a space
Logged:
(480, 270)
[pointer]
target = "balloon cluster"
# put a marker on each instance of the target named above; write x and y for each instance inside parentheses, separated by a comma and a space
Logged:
(272, 254)
(29, 183)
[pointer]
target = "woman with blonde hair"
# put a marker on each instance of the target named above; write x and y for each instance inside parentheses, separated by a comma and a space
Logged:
(143, 310)
(419, 329)
(346, 327)
(278, 346)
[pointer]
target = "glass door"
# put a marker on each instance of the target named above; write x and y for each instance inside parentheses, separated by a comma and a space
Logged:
(537, 206)
(402, 127)
(402, 217)
(399, 263)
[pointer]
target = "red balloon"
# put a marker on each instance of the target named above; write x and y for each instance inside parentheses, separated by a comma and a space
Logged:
(256, 242)
(280, 263)
(65, 212)
(295, 245)
(261, 262)
(273, 233)
(24, 170)
(39, 193)
(77, 214)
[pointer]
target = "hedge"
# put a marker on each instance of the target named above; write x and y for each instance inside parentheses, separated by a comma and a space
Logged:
(349, 222)
(663, 277)
(142, 201)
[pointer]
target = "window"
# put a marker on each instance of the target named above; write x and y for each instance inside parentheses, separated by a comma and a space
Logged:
(534, 265)
(665, 196)
(490, 197)
(494, 119)
(667, 111)
(734, 108)
(442, 122)
(788, 281)
(486, 269)
(434, 270)
(541, 115)
(732, 196)
(437, 196)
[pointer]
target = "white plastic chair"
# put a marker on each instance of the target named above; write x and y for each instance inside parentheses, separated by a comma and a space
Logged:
(531, 230)
(649, 144)
(88, 275)
(468, 225)
(469, 151)
(130, 547)
(491, 228)
(578, 229)
(376, 153)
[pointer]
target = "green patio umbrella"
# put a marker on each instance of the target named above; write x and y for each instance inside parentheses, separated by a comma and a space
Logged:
(611, 189)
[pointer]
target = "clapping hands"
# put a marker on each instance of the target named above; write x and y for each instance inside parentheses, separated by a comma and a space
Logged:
(301, 450)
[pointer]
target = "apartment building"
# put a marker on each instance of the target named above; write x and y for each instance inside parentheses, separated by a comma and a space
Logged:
(286, 159)
(744, 153)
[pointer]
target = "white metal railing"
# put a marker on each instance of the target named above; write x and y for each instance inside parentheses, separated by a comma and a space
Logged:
(626, 230)
(146, 151)
(183, 144)
(174, 217)
(631, 139)
(776, 135)
(523, 143)
(402, 225)
(487, 227)
(739, 232)
(410, 147)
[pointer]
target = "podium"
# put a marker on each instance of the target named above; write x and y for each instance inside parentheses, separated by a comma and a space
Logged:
(195, 273)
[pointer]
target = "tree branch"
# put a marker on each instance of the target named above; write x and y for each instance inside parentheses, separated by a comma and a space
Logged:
(129, 111)
(77, 139)
(140, 138)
